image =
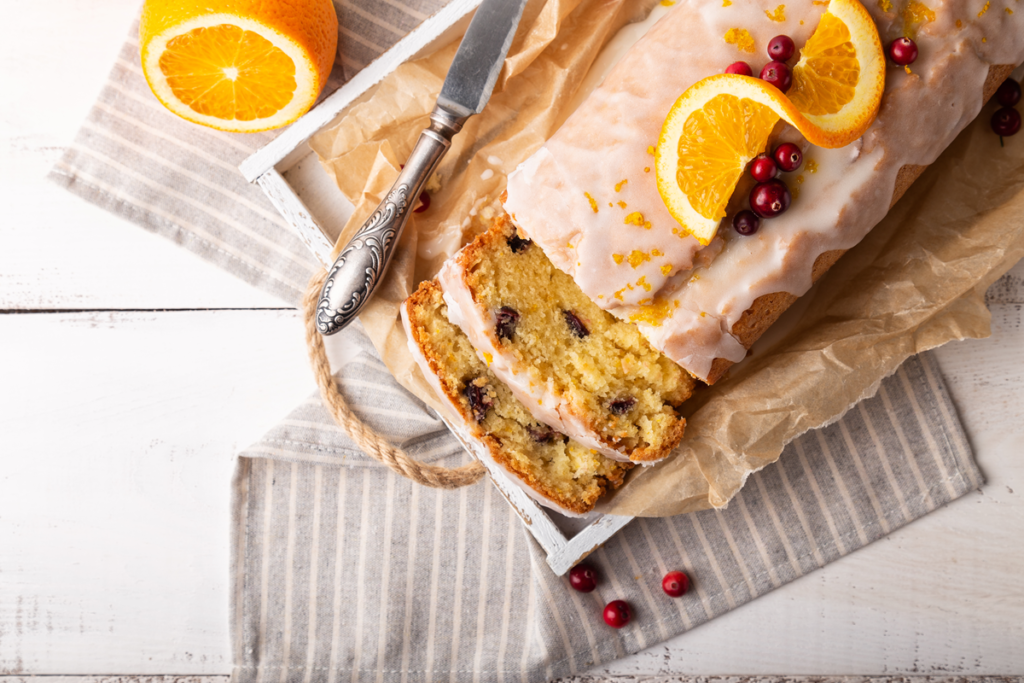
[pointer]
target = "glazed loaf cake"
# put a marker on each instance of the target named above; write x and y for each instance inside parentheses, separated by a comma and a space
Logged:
(557, 471)
(704, 306)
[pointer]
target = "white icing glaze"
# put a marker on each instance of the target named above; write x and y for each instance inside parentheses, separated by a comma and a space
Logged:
(605, 141)
(539, 397)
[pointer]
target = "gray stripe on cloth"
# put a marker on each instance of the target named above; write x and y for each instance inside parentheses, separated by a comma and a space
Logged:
(415, 584)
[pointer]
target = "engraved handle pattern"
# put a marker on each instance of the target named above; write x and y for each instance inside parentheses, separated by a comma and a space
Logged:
(362, 264)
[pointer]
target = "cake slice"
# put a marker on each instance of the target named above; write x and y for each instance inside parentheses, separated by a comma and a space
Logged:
(576, 367)
(555, 470)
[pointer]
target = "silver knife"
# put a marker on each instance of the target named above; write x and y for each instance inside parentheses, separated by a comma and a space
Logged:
(467, 88)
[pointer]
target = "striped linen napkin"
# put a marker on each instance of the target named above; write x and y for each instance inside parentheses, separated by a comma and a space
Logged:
(343, 569)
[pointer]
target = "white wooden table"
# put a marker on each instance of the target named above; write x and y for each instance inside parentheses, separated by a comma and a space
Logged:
(126, 390)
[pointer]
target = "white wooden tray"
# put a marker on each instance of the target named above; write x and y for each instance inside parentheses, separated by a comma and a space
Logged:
(291, 176)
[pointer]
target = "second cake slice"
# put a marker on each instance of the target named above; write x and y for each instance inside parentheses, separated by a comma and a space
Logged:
(576, 367)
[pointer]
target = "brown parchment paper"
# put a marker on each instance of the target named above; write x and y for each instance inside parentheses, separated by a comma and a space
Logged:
(917, 281)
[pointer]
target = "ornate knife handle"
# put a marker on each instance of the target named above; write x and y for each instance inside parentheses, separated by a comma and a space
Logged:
(362, 264)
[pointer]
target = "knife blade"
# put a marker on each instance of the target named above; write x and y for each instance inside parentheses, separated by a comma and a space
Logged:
(474, 71)
(468, 86)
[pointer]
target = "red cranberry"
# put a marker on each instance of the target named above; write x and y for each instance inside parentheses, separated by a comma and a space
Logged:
(903, 51)
(788, 156)
(741, 68)
(1008, 93)
(1006, 122)
(778, 74)
(675, 584)
(616, 613)
(781, 48)
(764, 168)
(583, 578)
(770, 199)
(746, 222)
(424, 203)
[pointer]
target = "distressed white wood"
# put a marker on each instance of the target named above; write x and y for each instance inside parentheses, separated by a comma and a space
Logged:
(132, 396)
(298, 216)
(435, 31)
(118, 435)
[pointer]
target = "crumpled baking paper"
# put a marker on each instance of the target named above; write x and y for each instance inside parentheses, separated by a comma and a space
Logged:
(917, 281)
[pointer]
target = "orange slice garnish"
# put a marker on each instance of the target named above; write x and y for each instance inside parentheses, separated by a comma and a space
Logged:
(719, 124)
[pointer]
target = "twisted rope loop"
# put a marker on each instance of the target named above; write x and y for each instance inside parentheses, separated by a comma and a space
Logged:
(372, 443)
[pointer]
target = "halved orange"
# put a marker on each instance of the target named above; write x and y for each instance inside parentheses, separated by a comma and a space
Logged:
(722, 122)
(238, 65)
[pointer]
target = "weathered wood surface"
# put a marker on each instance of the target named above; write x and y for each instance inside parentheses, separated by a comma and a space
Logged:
(119, 373)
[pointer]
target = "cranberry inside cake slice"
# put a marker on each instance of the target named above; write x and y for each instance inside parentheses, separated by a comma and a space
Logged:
(575, 366)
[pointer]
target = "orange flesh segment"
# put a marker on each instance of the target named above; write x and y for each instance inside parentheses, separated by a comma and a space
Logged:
(718, 141)
(229, 73)
(826, 78)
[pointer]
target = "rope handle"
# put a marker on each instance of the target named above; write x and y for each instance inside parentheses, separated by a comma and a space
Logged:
(371, 443)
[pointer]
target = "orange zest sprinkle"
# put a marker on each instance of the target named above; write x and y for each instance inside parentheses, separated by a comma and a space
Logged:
(654, 313)
(643, 283)
(636, 257)
(618, 185)
(666, 269)
(915, 13)
(636, 218)
(984, 9)
(811, 165)
(778, 14)
(739, 37)
(593, 202)
(622, 205)
(618, 258)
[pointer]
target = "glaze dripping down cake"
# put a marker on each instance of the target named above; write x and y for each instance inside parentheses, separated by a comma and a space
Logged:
(556, 470)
